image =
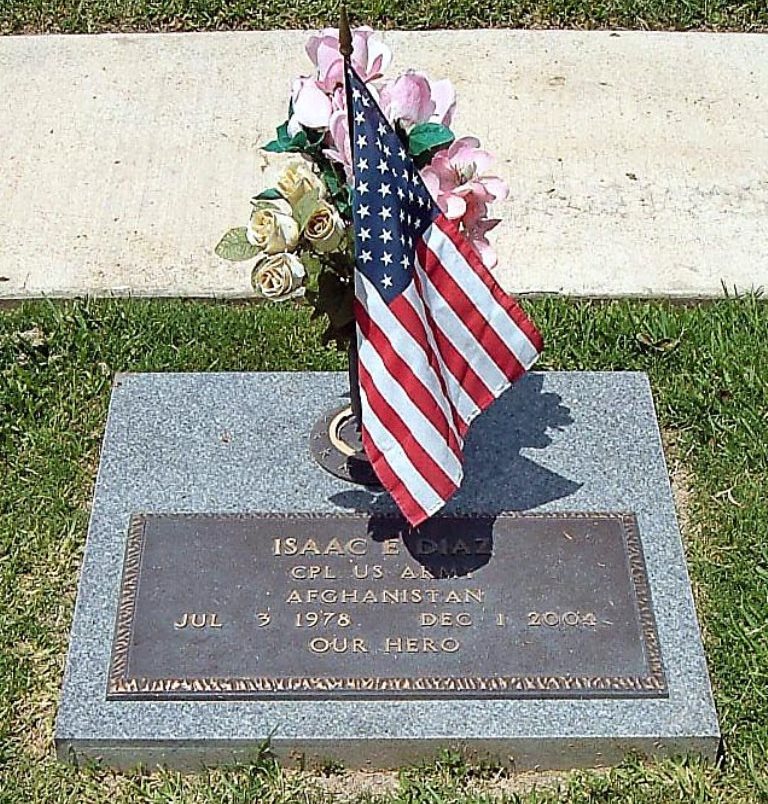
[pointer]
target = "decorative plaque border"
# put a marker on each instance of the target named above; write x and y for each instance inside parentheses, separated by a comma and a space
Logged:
(120, 686)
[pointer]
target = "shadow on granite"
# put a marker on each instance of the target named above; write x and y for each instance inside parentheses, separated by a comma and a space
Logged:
(497, 477)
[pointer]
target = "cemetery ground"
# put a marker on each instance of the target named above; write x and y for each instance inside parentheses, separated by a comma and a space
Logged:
(707, 365)
(94, 16)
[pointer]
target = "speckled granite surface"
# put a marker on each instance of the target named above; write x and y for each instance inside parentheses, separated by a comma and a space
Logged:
(239, 442)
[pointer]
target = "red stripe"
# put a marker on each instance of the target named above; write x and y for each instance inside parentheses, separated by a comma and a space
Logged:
(457, 364)
(416, 390)
(451, 230)
(469, 313)
(415, 324)
(423, 462)
(411, 509)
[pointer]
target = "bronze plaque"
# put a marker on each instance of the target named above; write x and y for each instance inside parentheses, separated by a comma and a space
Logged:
(260, 606)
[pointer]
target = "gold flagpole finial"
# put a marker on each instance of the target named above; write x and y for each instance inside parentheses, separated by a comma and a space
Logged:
(345, 34)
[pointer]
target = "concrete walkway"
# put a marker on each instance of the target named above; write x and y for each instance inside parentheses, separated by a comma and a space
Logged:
(638, 162)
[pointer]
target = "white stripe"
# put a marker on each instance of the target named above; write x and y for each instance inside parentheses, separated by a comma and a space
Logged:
(465, 343)
(398, 461)
(409, 349)
(460, 400)
(480, 296)
(423, 431)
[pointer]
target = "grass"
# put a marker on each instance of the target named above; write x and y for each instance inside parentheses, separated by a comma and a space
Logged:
(93, 16)
(708, 367)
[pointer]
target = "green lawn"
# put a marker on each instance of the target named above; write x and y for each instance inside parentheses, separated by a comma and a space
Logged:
(708, 367)
(91, 16)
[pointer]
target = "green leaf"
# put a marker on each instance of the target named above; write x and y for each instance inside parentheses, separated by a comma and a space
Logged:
(426, 137)
(284, 141)
(331, 181)
(302, 212)
(272, 194)
(304, 141)
(234, 246)
(339, 190)
(315, 137)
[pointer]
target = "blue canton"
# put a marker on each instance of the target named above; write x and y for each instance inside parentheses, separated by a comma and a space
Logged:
(391, 205)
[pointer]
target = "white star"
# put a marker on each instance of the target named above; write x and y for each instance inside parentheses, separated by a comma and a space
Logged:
(400, 193)
(365, 256)
(363, 211)
(382, 167)
(386, 258)
(365, 234)
(405, 174)
(405, 262)
(365, 101)
(385, 213)
(384, 190)
(362, 141)
(386, 150)
(362, 164)
(402, 214)
(355, 93)
(420, 200)
(410, 219)
(387, 281)
(378, 142)
(386, 236)
(410, 193)
(382, 129)
(401, 154)
(402, 239)
(362, 187)
(359, 118)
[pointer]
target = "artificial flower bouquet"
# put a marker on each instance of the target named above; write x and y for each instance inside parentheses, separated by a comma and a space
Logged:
(300, 232)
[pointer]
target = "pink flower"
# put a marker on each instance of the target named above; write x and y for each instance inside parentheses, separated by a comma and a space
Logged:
(408, 99)
(311, 106)
(477, 236)
(455, 179)
(444, 96)
(370, 57)
(339, 149)
(412, 98)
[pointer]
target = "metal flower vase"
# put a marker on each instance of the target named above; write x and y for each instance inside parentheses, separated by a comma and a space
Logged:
(336, 440)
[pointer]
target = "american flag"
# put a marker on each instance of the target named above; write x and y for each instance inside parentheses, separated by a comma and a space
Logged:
(438, 339)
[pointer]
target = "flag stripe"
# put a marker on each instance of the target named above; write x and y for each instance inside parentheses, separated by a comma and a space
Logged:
(488, 343)
(408, 437)
(389, 388)
(407, 477)
(451, 231)
(406, 502)
(505, 334)
(409, 308)
(457, 331)
(460, 369)
(387, 331)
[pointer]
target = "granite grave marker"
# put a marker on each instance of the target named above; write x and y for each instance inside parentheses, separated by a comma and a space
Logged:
(233, 591)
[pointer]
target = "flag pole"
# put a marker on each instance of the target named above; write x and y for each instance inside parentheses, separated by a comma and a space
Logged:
(345, 48)
(345, 34)
(336, 441)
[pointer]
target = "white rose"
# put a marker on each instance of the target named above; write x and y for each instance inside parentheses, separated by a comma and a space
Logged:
(325, 229)
(278, 276)
(272, 227)
(297, 180)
